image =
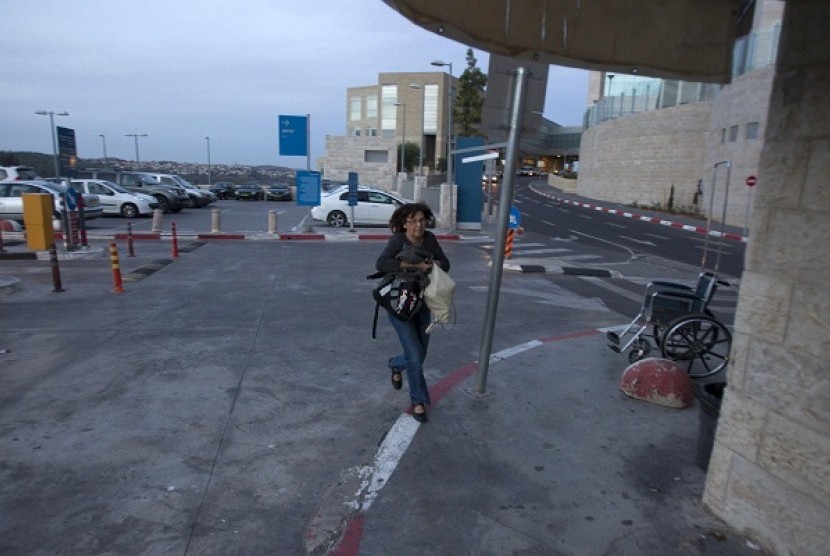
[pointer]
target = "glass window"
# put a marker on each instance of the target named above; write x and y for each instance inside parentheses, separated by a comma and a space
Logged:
(375, 156)
(371, 107)
(723, 135)
(430, 109)
(389, 112)
(751, 131)
(733, 134)
(379, 198)
(354, 108)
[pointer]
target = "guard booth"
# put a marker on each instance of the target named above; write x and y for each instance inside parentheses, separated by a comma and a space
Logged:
(37, 216)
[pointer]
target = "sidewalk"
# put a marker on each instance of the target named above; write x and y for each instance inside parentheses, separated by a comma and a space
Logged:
(232, 403)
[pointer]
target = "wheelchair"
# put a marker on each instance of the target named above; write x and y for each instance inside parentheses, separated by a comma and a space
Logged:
(675, 319)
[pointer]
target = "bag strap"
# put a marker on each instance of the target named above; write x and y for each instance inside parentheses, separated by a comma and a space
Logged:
(375, 322)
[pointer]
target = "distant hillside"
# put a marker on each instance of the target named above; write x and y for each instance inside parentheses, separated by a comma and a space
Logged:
(44, 165)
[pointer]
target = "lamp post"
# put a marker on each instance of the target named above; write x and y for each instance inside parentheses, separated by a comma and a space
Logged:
(104, 142)
(611, 98)
(54, 137)
(441, 63)
(403, 136)
(423, 102)
(136, 136)
(208, 154)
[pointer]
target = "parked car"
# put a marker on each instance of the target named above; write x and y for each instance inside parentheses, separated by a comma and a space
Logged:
(115, 200)
(278, 192)
(223, 190)
(252, 191)
(526, 171)
(197, 197)
(374, 206)
(171, 198)
(11, 199)
(18, 173)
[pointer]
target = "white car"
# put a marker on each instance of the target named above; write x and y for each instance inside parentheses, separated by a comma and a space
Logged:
(117, 200)
(374, 206)
(11, 199)
(18, 173)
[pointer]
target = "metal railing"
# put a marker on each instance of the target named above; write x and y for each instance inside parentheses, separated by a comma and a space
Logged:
(754, 51)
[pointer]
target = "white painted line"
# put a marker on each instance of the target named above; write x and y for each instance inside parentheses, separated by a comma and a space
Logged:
(388, 456)
(640, 241)
(657, 236)
(616, 225)
(522, 252)
(580, 257)
(585, 216)
(510, 352)
(548, 223)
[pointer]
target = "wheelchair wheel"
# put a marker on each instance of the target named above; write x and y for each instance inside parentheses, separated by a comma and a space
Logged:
(700, 341)
(640, 350)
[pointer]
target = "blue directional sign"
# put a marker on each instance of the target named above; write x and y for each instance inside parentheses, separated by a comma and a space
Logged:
(293, 135)
(71, 198)
(515, 218)
(308, 188)
(352, 189)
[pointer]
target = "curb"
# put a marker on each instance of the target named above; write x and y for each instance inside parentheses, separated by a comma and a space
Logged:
(635, 216)
(570, 271)
(253, 236)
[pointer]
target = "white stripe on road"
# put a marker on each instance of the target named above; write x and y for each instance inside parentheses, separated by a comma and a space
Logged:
(616, 225)
(657, 236)
(537, 251)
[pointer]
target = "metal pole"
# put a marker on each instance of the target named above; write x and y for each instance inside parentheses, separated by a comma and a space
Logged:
(505, 201)
(54, 144)
(104, 141)
(208, 156)
(450, 175)
(421, 154)
(748, 207)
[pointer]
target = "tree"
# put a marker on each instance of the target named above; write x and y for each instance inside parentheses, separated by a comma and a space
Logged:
(470, 98)
(411, 152)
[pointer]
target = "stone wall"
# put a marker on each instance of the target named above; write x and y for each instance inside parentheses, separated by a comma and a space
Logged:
(770, 469)
(636, 159)
(743, 102)
(348, 154)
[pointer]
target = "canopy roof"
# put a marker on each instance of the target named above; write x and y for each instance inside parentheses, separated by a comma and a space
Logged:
(675, 39)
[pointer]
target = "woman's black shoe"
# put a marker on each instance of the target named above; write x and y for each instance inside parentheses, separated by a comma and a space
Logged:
(397, 380)
(420, 417)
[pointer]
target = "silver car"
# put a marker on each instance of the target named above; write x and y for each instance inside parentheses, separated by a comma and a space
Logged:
(11, 200)
(115, 200)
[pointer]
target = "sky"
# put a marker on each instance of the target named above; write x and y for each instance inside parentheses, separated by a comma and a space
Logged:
(183, 70)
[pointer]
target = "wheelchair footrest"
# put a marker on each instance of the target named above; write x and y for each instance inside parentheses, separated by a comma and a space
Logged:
(615, 348)
(613, 337)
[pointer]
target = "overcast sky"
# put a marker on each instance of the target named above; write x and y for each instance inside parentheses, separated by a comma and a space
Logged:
(181, 70)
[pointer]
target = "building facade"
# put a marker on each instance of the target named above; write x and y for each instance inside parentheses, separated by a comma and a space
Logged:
(647, 140)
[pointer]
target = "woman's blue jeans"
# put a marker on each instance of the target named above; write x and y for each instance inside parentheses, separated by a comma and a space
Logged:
(414, 340)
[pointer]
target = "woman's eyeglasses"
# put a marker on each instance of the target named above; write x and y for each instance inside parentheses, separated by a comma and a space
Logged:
(413, 221)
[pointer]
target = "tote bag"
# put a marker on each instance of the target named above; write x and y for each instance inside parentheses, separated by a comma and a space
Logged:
(439, 293)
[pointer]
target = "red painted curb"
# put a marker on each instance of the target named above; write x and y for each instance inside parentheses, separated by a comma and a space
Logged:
(220, 236)
(138, 236)
(302, 236)
(373, 236)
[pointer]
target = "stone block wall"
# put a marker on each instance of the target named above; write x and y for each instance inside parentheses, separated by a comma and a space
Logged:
(348, 154)
(636, 159)
(770, 469)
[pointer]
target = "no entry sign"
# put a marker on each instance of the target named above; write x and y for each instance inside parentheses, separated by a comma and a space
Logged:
(751, 181)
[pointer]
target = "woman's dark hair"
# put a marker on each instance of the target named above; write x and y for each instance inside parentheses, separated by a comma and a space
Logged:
(403, 212)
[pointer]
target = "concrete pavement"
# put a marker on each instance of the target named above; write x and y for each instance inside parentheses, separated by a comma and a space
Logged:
(230, 402)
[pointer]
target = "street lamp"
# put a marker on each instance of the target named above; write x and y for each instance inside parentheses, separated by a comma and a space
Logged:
(423, 102)
(54, 137)
(403, 135)
(136, 136)
(610, 97)
(104, 141)
(208, 153)
(440, 63)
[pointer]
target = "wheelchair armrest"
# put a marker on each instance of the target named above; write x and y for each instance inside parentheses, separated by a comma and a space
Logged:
(669, 284)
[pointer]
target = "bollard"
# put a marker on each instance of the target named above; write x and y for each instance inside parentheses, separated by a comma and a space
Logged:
(508, 246)
(272, 221)
(116, 269)
(82, 222)
(157, 216)
(2, 249)
(175, 241)
(215, 221)
(130, 248)
(56, 271)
